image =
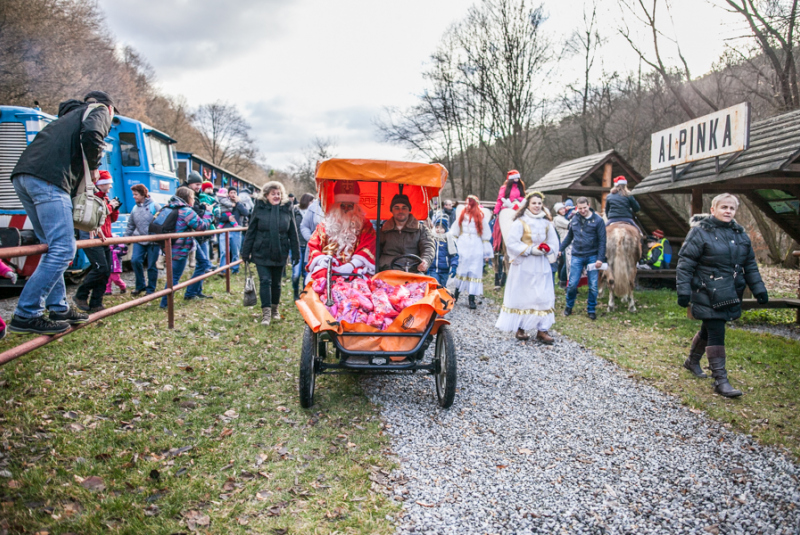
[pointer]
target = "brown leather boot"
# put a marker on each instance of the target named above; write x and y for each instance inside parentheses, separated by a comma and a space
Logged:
(692, 363)
(716, 360)
(545, 338)
(275, 315)
(266, 316)
(521, 335)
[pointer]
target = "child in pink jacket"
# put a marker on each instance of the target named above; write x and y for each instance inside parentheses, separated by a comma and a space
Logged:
(117, 251)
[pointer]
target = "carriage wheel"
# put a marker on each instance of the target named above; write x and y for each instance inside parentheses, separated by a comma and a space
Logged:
(307, 364)
(445, 376)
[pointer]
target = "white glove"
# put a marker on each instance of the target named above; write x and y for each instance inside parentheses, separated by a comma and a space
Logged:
(11, 276)
(507, 203)
(344, 269)
(320, 262)
(535, 251)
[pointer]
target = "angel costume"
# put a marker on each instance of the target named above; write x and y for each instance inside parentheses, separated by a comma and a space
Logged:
(472, 250)
(529, 296)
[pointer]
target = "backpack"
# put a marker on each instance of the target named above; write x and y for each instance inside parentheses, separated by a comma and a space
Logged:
(164, 222)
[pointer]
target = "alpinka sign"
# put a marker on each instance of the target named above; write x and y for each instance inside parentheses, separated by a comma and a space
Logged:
(715, 134)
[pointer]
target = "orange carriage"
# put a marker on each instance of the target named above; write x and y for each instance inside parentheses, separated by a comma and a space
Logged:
(331, 346)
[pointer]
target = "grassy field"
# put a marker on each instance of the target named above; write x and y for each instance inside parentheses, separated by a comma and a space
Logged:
(128, 427)
(653, 343)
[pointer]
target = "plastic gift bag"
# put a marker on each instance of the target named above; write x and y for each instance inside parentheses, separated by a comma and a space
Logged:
(250, 299)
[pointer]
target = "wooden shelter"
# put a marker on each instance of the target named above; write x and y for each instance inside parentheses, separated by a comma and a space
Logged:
(591, 176)
(767, 173)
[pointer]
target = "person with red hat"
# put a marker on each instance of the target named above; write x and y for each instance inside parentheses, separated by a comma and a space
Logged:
(345, 238)
(511, 195)
(620, 204)
(89, 296)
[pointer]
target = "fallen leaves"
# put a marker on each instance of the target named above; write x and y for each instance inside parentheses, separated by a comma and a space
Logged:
(525, 451)
(93, 483)
(195, 519)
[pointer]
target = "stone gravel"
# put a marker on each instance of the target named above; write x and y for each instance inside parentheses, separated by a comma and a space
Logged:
(558, 440)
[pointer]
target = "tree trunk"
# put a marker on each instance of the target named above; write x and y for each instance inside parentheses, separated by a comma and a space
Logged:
(790, 261)
(766, 232)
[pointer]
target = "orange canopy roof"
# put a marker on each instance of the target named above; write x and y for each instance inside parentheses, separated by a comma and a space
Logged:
(420, 181)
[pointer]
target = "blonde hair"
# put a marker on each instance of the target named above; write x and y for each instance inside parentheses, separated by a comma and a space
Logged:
(721, 197)
(527, 202)
(622, 189)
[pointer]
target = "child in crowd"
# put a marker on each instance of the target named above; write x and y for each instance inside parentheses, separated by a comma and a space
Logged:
(117, 251)
(7, 273)
(445, 258)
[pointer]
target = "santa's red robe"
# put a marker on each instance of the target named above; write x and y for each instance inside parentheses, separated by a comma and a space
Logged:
(363, 256)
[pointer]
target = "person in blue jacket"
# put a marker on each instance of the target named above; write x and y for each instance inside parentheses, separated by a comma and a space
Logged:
(445, 258)
(621, 206)
(587, 234)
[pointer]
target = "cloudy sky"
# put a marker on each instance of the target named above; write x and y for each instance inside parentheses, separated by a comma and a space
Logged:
(300, 69)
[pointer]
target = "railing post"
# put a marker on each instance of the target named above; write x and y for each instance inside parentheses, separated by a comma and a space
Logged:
(228, 261)
(170, 300)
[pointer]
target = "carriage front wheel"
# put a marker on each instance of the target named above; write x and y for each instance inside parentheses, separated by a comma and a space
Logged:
(445, 357)
(307, 364)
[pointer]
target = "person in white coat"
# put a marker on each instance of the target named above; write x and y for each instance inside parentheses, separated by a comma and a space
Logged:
(472, 233)
(529, 295)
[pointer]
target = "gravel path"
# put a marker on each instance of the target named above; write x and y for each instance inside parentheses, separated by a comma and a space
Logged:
(558, 440)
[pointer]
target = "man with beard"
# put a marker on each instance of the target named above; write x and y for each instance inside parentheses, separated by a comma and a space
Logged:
(345, 238)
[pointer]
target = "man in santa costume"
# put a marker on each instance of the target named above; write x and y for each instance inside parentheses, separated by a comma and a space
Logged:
(345, 238)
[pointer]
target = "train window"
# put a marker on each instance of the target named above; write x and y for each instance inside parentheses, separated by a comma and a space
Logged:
(128, 149)
(160, 154)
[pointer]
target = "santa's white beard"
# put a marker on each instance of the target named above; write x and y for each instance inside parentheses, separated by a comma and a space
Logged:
(343, 229)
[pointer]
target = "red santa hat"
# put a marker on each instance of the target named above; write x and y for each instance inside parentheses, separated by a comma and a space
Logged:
(620, 180)
(205, 185)
(105, 178)
(659, 234)
(512, 175)
(346, 191)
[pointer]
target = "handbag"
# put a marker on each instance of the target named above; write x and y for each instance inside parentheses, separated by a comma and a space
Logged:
(88, 211)
(721, 291)
(250, 299)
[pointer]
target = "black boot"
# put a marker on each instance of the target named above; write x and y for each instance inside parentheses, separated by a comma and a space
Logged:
(695, 354)
(503, 278)
(455, 295)
(716, 360)
(497, 277)
(472, 304)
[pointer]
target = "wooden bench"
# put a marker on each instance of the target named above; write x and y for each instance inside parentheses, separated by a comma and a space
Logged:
(750, 304)
(655, 274)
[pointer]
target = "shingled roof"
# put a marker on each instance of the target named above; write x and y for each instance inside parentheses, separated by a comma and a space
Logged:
(774, 146)
(576, 171)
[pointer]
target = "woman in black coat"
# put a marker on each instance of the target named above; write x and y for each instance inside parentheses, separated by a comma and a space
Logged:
(714, 265)
(271, 235)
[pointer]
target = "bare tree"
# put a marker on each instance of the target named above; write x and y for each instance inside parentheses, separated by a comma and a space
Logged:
(225, 136)
(302, 171)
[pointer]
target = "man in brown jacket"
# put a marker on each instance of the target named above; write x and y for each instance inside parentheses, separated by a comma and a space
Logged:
(404, 234)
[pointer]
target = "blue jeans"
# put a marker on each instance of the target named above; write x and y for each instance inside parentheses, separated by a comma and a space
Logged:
(177, 270)
(202, 264)
(440, 276)
(145, 255)
(236, 243)
(49, 210)
(575, 270)
(298, 270)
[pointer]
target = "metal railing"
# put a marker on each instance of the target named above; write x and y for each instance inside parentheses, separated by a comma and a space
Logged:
(169, 291)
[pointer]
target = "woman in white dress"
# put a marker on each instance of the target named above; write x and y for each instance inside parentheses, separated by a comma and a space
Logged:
(529, 296)
(472, 234)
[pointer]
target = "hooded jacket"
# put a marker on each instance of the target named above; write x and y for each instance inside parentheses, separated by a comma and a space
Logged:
(188, 221)
(55, 153)
(715, 255)
(445, 251)
(272, 232)
(140, 219)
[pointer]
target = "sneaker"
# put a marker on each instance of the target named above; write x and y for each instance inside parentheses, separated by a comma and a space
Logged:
(82, 304)
(71, 316)
(109, 293)
(567, 311)
(123, 290)
(592, 316)
(98, 308)
(37, 325)
(204, 296)
(137, 292)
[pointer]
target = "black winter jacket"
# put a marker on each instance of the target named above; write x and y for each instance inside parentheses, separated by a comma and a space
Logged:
(714, 257)
(587, 236)
(271, 234)
(55, 153)
(621, 206)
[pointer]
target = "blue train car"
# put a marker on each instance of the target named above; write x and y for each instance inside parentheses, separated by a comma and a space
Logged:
(135, 153)
(219, 176)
